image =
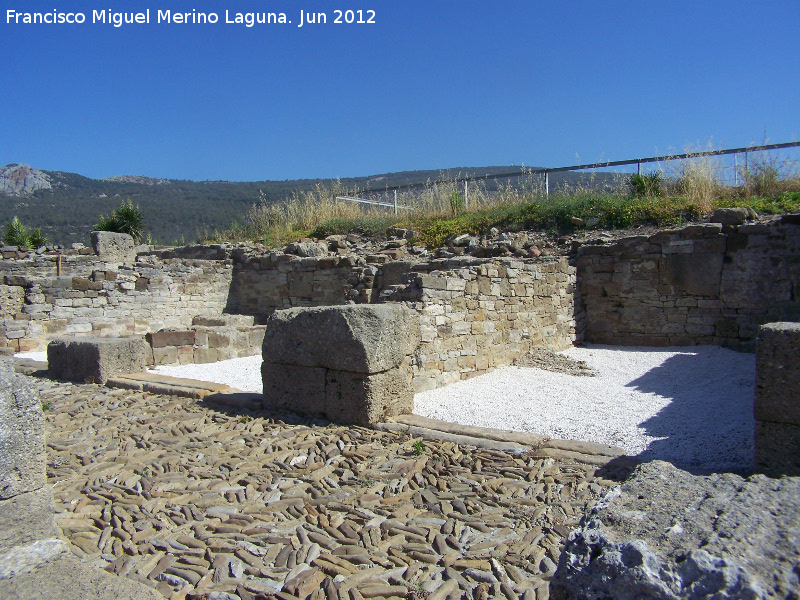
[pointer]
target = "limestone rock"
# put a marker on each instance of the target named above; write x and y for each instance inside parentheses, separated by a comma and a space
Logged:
(365, 338)
(667, 534)
(730, 216)
(22, 452)
(113, 247)
(306, 249)
(22, 180)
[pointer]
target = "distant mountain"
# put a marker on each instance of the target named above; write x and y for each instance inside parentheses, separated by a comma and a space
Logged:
(22, 180)
(66, 205)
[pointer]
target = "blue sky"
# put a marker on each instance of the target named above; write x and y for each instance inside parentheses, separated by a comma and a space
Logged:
(431, 85)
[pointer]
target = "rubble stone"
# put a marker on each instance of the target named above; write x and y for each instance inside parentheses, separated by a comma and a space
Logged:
(667, 534)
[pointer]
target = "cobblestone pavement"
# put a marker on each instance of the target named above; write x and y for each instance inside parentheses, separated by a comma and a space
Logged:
(206, 502)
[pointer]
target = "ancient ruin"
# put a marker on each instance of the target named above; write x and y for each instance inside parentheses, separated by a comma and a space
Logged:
(179, 490)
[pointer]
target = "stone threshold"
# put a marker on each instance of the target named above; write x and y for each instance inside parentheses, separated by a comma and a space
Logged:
(503, 440)
(169, 386)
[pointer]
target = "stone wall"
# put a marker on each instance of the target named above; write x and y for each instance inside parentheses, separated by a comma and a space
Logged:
(269, 281)
(210, 339)
(476, 314)
(696, 285)
(92, 297)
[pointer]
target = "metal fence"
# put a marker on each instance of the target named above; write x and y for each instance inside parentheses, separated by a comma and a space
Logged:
(745, 153)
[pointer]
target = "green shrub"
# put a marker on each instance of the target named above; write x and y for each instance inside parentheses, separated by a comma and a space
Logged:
(647, 185)
(456, 203)
(126, 219)
(16, 234)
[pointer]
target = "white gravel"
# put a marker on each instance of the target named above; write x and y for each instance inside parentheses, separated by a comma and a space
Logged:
(689, 406)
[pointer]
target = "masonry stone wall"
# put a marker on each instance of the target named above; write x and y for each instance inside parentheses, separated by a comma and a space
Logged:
(698, 285)
(92, 297)
(477, 314)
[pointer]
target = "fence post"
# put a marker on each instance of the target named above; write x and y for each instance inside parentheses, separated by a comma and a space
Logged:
(466, 193)
(638, 168)
(395, 202)
(546, 184)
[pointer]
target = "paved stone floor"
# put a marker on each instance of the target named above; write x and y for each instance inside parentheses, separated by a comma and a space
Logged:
(206, 502)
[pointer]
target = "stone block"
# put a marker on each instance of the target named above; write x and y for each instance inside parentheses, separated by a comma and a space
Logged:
(694, 274)
(113, 247)
(665, 534)
(96, 358)
(365, 338)
(161, 339)
(777, 449)
(165, 356)
(367, 399)
(777, 391)
(27, 517)
(225, 321)
(730, 216)
(294, 388)
(22, 450)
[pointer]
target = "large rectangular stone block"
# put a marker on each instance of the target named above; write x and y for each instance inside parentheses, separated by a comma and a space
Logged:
(164, 338)
(777, 449)
(366, 338)
(777, 392)
(22, 451)
(293, 388)
(367, 399)
(96, 359)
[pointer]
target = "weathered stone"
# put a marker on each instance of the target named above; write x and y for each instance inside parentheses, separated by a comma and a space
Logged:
(95, 359)
(777, 392)
(720, 543)
(22, 451)
(160, 339)
(730, 216)
(27, 517)
(367, 399)
(777, 449)
(777, 399)
(306, 249)
(65, 578)
(225, 321)
(355, 338)
(113, 247)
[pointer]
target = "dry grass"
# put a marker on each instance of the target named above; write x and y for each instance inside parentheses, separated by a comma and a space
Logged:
(687, 190)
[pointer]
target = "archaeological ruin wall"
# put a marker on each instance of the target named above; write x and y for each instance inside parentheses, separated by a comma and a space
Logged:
(91, 297)
(702, 284)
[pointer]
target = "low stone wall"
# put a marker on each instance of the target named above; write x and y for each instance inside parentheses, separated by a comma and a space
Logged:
(265, 282)
(477, 314)
(102, 299)
(777, 400)
(696, 285)
(210, 339)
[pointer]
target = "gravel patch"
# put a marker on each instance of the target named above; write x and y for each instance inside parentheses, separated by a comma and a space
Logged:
(691, 406)
(241, 373)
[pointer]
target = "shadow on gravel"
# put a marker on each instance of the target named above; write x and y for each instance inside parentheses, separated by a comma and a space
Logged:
(708, 425)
